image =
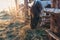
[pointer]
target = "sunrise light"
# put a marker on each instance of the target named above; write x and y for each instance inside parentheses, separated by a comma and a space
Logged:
(4, 4)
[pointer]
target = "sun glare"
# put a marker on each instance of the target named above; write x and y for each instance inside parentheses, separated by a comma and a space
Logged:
(4, 4)
(21, 1)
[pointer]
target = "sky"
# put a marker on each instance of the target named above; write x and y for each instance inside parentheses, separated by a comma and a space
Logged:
(21, 1)
(4, 4)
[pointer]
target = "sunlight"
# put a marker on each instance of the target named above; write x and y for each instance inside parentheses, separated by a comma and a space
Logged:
(21, 1)
(4, 4)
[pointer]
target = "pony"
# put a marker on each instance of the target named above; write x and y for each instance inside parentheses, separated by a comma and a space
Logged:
(35, 14)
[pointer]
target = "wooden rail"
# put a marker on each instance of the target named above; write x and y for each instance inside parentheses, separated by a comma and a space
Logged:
(52, 34)
(51, 10)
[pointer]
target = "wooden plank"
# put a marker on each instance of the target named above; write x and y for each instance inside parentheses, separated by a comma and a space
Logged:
(52, 34)
(51, 10)
(54, 4)
(47, 16)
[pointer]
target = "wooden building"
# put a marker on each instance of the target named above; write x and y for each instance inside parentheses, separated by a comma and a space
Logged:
(55, 3)
(54, 31)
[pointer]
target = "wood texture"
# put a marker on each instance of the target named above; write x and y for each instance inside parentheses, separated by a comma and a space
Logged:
(52, 34)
